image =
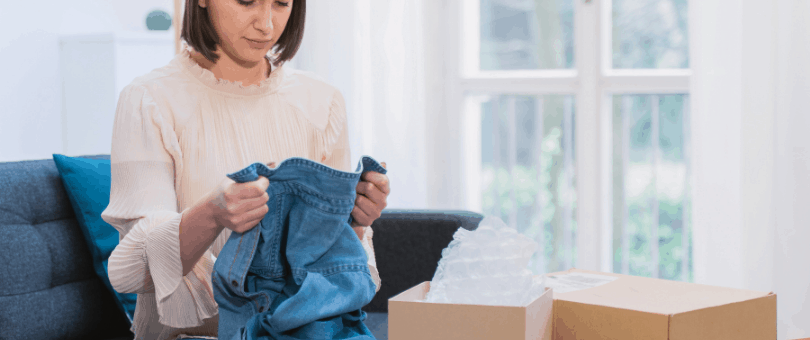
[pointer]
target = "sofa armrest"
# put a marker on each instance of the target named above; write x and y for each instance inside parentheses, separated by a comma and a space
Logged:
(408, 245)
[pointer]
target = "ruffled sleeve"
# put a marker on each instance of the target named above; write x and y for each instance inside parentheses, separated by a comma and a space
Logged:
(144, 209)
(338, 155)
(334, 139)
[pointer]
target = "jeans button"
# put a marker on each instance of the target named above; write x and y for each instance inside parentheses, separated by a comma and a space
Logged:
(234, 283)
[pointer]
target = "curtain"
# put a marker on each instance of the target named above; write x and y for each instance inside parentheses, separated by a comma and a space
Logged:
(751, 164)
(373, 52)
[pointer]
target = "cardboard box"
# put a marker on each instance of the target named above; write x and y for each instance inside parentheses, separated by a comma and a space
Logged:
(410, 318)
(594, 305)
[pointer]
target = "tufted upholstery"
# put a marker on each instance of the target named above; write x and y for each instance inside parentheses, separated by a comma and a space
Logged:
(48, 289)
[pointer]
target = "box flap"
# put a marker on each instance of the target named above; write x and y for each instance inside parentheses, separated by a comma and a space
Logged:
(754, 319)
(416, 293)
(573, 320)
(539, 316)
(654, 295)
(411, 318)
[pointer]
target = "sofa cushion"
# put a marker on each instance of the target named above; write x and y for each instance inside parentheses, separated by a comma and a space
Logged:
(87, 182)
(48, 289)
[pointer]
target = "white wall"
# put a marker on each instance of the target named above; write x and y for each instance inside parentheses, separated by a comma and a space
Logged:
(791, 266)
(751, 150)
(30, 90)
(373, 52)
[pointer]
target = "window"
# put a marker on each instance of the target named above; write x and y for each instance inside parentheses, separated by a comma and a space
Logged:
(575, 127)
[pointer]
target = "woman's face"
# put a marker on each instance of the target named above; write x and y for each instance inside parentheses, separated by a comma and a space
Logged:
(248, 29)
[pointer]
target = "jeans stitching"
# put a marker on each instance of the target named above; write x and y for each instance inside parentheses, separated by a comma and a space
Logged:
(238, 246)
(313, 203)
(252, 254)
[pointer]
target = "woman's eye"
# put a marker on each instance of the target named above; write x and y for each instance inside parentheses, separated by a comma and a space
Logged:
(246, 3)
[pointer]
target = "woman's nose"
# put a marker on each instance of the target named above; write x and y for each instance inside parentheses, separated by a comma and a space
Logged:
(264, 21)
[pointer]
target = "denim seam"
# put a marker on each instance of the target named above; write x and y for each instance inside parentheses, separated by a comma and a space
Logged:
(348, 271)
(335, 269)
(277, 235)
(313, 203)
(330, 199)
(252, 253)
(238, 246)
(319, 166)
(314, 165)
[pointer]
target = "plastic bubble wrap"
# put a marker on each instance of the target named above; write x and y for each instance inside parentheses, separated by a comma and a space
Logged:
(487, 266)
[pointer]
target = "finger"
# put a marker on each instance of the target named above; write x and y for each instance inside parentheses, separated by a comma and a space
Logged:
(371, 191)
(360, 218)
(256, 202)
(262, 183)
(247, 190)
(271, 165)
(368, 207)
(383, 165)
(379, 180)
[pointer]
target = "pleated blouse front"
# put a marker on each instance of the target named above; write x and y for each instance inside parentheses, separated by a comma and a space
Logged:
(177, 131)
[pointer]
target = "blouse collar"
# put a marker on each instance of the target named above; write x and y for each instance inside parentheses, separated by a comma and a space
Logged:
(266, 86)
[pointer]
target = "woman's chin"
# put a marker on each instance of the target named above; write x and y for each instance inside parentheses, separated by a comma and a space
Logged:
(251, 55)
(256, 56)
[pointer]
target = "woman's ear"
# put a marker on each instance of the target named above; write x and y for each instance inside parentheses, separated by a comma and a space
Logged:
(203, 3)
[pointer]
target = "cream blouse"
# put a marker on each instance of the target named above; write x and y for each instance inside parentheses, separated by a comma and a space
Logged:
(178, 131)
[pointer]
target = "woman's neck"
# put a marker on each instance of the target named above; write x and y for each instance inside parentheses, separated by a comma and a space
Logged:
(228, 69)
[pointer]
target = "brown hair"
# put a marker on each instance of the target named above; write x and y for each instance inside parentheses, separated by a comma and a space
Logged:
(199, 32)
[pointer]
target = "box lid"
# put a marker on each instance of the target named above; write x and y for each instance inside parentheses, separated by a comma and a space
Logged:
(653, 295)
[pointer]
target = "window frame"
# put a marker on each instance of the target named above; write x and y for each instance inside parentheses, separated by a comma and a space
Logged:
(593, 82)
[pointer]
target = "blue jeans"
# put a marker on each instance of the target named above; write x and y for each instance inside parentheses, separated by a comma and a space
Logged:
(302, 272)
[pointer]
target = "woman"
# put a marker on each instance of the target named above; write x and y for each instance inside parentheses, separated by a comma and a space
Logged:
(218, 106)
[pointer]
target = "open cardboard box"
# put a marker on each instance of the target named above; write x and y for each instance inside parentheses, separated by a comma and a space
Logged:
(595, 305)
(409, 318)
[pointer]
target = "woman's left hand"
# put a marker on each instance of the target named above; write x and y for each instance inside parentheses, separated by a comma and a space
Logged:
(372, 192)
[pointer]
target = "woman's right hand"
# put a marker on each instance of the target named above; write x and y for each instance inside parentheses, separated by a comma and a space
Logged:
(240, 206)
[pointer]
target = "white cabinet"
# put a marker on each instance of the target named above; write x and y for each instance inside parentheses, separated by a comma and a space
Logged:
(95, 68)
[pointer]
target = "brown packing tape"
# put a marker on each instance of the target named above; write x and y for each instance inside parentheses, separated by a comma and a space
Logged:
(753, 319)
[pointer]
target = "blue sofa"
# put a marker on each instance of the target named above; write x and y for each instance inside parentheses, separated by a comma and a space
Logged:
(48, 289)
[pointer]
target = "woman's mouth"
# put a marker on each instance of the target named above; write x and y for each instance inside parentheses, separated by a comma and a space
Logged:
(258, 44)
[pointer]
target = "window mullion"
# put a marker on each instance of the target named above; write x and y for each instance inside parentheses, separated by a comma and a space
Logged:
(655, 183)
(496, 152)
(511, 159)
(685, 258)
(541, 197)
(587, 134)
(641, 83)
(567, 202)
(626, 107)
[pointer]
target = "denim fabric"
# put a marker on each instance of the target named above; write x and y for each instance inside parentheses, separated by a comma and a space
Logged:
(302, 272)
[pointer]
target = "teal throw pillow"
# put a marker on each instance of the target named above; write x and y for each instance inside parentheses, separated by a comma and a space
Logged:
(87, 182)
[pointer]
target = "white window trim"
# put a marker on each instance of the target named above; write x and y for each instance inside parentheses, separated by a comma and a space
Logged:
(593, 83)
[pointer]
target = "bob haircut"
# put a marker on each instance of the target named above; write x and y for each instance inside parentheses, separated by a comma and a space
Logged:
(199, 32)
